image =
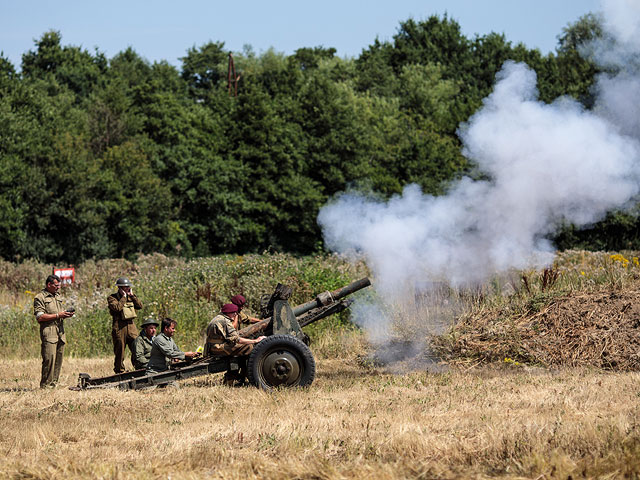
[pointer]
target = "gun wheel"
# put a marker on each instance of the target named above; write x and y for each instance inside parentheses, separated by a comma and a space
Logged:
(281, 361)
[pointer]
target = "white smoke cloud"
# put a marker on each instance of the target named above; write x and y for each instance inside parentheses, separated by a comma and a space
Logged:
(619, 51)
(546, 164)
(621, 20)
(617, 101)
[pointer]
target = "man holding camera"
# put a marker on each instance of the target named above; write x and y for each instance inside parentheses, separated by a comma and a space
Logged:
(122, 307)
(47, 307)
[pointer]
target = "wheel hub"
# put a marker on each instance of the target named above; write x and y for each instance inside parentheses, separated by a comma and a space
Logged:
(281, 367)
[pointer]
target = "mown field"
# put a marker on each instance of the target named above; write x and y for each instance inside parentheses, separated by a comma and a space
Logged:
(352, 423)
(477, 415)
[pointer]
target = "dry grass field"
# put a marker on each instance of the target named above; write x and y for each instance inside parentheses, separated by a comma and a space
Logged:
(542, 382)
(356, 421)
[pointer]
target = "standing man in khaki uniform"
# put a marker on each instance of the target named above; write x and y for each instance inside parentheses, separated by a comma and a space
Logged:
(223, 339)
(122, 307)
(47, 307)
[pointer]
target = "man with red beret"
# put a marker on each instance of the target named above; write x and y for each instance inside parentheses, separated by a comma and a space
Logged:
(223, 339)
(244, 320)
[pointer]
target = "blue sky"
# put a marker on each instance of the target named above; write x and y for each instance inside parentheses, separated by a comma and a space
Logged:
(165, 29)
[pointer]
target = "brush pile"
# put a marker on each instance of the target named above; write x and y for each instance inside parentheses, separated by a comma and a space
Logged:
(600, 329)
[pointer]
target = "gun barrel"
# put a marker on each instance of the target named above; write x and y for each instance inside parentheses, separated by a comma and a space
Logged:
(329, 297)
(321, 300)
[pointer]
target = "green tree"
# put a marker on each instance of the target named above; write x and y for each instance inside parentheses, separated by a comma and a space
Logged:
(139, 203)
(205, 69)
(132, 69)
(7, 70)
(311, 57)
(428, 98)
(617, 231)
(71, 66)
(33, 114)
(577, 69)
(112, 117)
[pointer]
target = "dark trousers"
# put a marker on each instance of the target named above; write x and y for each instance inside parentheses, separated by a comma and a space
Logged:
(51, 363)
(123, 334)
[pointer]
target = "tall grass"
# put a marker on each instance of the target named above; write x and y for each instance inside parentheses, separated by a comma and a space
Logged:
(190, 292)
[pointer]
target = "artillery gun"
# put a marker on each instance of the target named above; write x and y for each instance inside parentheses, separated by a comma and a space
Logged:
(283, 359)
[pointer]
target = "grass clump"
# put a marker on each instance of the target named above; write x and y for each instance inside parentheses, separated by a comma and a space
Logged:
(579, 312)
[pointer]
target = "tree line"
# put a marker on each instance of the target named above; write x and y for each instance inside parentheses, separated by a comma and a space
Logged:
(107, 157)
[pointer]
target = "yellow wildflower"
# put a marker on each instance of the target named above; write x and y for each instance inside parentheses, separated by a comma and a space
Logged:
(619, 258)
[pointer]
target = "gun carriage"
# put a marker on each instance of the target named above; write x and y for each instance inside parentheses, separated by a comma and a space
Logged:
(283, 359)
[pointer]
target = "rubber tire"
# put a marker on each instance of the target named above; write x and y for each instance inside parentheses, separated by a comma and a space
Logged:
(278, 347)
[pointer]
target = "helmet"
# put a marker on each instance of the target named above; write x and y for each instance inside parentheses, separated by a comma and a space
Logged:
(149, 321)
(123, 282)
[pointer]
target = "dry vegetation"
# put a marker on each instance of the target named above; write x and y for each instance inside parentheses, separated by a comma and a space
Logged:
(582, 312)
(506, 422)
(489, 413)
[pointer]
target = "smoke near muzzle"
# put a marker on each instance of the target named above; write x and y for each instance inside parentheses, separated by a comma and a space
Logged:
(545, 164)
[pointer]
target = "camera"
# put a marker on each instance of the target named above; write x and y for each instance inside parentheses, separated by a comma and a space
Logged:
(71, 310)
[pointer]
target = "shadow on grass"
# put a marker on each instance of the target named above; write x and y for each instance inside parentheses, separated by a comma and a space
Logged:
(17, 389)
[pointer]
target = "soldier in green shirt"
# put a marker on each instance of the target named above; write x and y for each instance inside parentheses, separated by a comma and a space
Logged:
(143, 343)
(164, 349)
(47, 307)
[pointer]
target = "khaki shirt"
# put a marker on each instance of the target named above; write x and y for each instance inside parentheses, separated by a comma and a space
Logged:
(143, 346)
(222, 337)
(163, 350)
(119, 305)
(53, 330)
(221, 331)
(243, 320)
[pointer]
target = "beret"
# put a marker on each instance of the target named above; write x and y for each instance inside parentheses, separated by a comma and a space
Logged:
(229, 308)
(238, 300)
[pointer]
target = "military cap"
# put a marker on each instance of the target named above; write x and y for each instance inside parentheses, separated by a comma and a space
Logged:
(238, 300)
(123, 282)
(149, 321)
(229, 308)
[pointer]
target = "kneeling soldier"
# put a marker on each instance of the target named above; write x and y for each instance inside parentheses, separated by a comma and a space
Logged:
(223, 339)
(144, 343)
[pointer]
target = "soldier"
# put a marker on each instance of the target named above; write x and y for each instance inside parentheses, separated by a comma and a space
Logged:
(244, 320)
(164, 349)
(47, 307)
(223, 339)
(144, 343)
(122, 307)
